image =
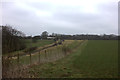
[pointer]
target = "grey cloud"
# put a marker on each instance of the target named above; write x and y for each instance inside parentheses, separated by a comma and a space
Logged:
(41, 6)
(64, 19)
(75, 17)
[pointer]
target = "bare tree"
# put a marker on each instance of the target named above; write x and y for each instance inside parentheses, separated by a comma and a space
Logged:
(11, 39)
(44, 35)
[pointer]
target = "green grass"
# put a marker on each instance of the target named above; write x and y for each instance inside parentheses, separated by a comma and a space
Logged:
(39, 43)
(98, 59)
(92, 59)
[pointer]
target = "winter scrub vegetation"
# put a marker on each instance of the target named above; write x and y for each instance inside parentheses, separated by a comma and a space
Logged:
(10, 66)
(92, 59)
(31, 46)
(14, 40)
(55, 52)
(11, 39)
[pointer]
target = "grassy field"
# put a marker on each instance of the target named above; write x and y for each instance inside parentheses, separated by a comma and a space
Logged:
(39, 43)
(92, 59)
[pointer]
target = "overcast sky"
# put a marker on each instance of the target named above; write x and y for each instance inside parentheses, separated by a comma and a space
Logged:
(61, 16)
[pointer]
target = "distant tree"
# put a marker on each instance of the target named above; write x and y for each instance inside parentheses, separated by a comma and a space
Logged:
(44, 35)
(28, 37)
(35, 38)
(54, 34)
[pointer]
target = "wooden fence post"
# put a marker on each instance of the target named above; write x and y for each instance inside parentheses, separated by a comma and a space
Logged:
(39, 56)
(18, 59)
(48, 55)
(30, 58)
(45, 55)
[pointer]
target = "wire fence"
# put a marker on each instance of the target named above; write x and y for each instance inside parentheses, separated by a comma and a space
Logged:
(15, 66)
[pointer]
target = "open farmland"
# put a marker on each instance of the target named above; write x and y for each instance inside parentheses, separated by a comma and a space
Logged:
(66, 39)
(92, 59)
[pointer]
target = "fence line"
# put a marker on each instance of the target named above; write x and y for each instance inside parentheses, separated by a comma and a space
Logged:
(46, 56)
(42, 56)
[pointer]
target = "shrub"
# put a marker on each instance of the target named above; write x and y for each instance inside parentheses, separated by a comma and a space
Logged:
(30, 49)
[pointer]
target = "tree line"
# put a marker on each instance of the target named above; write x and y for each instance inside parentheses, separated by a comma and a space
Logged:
(74, 37)
(13, 40)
